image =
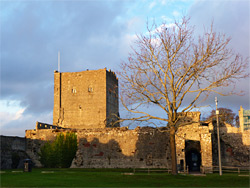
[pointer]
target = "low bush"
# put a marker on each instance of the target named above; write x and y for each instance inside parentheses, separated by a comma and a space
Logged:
(60, 152)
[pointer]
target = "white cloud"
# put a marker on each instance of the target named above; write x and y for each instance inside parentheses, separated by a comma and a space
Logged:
(152, 5)
(166, 19)
(125, 45)
(6, 117)
(10, 105)
(16, 124)
(176, 13)
(135, 24)
(10, 111)
(163, 2)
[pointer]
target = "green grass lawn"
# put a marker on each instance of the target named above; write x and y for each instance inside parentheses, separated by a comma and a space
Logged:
(115, 178)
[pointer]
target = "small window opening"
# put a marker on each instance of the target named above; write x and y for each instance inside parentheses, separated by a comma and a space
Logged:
(74, 90)
(90, 89)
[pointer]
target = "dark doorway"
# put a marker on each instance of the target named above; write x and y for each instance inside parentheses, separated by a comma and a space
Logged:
(193, 155)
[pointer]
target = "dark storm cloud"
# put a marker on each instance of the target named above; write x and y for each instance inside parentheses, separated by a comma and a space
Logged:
(85, 32)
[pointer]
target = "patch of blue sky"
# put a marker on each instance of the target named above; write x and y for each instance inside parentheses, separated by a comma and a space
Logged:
(160, 10)
(7, 9)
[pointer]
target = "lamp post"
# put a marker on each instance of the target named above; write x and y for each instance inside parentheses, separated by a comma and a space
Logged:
(218, 135)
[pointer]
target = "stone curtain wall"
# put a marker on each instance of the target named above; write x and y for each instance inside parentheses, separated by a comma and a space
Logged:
(144, 147)
(13, 152)
(149, 147)
(235, 150)
(245, 134)
(81, 99)
(122, 148)
(112, 147)
(37, 138)
(246, 137)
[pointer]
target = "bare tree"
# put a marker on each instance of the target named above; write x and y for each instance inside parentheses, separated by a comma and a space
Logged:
(170, 65)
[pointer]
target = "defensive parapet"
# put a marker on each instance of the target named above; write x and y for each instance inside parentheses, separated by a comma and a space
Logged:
(40, 125)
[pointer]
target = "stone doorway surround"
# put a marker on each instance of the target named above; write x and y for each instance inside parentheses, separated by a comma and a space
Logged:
(197, 133)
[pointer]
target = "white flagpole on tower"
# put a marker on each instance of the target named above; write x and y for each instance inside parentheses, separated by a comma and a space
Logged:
(58, 61)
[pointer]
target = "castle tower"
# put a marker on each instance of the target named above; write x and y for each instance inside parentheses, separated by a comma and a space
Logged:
(85, 100)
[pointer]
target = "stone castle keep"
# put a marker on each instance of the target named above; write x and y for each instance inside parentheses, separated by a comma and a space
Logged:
(87, 103)
(87, 99)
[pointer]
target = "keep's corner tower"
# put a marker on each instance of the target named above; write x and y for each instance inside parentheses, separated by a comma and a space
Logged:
(85, 100)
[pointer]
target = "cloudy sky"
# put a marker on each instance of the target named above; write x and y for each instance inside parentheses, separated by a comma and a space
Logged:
(92, 35)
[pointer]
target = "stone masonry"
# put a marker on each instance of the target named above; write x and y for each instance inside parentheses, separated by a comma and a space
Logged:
(235, 145)
(13, 151)
(111, 147)
(144, 147)
(86, 99)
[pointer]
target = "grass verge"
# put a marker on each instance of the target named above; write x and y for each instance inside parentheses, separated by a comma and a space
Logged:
(115, 178)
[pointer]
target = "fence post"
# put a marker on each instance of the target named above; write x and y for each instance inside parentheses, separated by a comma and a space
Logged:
(238, 170)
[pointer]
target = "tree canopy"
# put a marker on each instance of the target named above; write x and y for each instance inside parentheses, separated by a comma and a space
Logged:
(226, 115)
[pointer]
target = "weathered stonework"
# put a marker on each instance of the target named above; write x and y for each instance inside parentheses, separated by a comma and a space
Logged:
(202, 136)
(235, 145)
(148, 147)
(112, 147)
(13, 152)
(86, 99)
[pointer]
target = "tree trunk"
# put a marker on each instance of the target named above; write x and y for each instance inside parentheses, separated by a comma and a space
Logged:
(173, 151)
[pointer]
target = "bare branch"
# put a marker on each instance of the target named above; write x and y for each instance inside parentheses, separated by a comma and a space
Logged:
(167, 65)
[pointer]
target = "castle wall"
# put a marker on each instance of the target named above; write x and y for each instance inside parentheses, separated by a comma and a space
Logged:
(244, 134)
(80, 98)
(112, 148)
(145, 147)
(235, 149)
(122, 148)
(246, 137)
(13, 152)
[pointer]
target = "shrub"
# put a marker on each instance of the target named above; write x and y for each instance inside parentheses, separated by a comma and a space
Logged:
(60, 152)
